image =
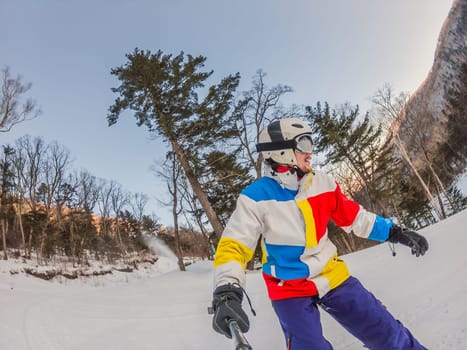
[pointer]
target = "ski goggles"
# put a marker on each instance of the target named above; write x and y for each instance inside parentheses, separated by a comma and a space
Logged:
(303, 143)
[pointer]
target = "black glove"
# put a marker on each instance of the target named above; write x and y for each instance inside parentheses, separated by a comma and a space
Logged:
(411, 239)
(227, 305)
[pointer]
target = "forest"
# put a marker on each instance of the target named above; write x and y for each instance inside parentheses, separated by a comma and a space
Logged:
(49, 210)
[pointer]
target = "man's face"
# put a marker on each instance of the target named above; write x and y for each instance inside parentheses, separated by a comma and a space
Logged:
(303, 161)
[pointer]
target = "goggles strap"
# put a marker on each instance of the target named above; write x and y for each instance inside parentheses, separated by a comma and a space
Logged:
(275, 146)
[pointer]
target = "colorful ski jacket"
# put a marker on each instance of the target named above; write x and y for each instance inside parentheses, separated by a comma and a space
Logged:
(298, 257)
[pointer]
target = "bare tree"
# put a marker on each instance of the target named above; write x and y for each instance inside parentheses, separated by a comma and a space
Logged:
(111, 201)
(104, 206)
(118, 200)
(257, 107)
(14, 107)
(55, 169)
(392, 108)
(31, 151)
(172, 173)
(138, 202)
(87, 192)
(196, 212)
(29, 164)
(6, 185)
(19, 165)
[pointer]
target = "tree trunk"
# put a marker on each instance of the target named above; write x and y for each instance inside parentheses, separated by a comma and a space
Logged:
(406, 157)
(441, 186)
(21, 228)
(29, 254)
(197, 188)
(178, 247)
(119, 239)
(209, 245)
(42, 244)
(4, 230)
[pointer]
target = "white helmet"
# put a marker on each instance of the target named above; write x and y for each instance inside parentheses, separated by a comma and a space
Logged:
(279, 139)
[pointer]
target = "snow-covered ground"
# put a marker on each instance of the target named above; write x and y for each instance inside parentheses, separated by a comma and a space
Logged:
(167, 309)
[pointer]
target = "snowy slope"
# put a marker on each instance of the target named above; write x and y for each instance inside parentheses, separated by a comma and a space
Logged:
(168, 310)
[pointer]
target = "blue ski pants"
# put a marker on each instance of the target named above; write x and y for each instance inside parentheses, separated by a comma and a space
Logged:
(355, 308)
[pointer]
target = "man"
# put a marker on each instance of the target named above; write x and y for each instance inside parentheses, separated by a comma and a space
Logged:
(290, 206)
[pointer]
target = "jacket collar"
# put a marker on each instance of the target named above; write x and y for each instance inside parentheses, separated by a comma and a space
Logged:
(287, 179)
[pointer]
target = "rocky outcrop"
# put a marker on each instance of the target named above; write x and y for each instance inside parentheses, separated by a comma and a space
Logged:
(424, 122)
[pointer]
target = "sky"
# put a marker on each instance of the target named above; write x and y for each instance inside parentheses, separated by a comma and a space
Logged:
(335, 51)
(164, 308)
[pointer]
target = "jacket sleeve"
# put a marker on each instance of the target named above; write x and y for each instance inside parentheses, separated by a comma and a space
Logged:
(351, 216)
(238, 242)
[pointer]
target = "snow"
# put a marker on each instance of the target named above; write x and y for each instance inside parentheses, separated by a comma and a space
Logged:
(163, 308)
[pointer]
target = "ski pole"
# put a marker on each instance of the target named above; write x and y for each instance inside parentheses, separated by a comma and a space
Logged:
(239, 339)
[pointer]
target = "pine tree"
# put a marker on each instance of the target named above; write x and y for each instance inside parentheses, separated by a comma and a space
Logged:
(347, 139)
(163, 92)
